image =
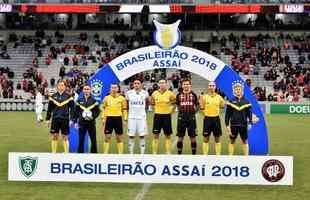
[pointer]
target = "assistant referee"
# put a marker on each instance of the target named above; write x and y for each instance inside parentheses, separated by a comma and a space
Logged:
(211, 103)
(163, 101)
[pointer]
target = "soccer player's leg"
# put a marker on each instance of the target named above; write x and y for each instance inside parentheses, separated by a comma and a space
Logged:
(167, 127)
(206, 135)
(65, 133)
(191, 130)
(55, 128)
(156, 131)
(39, 117)
(93, 139)
(82, 134)
(232, 138)
(132, 129)
(244, 140)
(142, 131)
(108, 129)
(119, 135)
(217, 132)
(181, 128)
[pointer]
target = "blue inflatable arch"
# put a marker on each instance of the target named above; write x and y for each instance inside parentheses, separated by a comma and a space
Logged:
(185, 58)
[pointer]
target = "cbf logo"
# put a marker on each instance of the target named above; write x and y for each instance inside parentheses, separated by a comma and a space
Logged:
(273, 170)
(167, 36)
(96, 88)
(28, 165)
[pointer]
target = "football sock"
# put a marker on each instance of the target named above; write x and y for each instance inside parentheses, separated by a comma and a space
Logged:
(155, 145)
(180, 147)
(131, 145)
(168, 145)
(120, 147)
(218, 148)
(106, 147)
(205, 148)
(245, 149)
(142, 145)
(231, 149)
(54, 146)
(66, 146)
(193, 145)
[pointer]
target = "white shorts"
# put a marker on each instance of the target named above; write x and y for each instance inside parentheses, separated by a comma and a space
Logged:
(137, 126)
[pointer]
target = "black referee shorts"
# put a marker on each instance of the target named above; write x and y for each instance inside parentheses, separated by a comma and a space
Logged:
(162, 121)
(114, 123)
(186, 121)
(239, 130)
(60, 125)
(212, 125)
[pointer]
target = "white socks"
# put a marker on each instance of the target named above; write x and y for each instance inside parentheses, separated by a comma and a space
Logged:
(131, 145)
(142, 146)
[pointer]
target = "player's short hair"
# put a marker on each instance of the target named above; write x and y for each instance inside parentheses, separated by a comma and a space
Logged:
(162, 80)
(136, 79)
(62, 81)
(212, 83)
(86, 85)
(186, 80)
(119, 87)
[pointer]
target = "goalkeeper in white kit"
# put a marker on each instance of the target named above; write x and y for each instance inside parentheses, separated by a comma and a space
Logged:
(137, 125)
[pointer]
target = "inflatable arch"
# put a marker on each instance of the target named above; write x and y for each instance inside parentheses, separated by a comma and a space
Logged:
(168, 54)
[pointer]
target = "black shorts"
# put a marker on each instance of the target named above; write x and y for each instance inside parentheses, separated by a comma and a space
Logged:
(186, 121)
(114, 123)
(241, 130)
(212, 125)
(162, 121)
(58, 125)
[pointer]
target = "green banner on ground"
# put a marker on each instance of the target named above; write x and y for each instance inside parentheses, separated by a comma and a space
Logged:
(290, 108)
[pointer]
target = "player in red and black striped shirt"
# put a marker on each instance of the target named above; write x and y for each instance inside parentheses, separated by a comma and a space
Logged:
(187, 103)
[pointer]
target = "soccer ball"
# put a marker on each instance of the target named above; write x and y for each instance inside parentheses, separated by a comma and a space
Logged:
(255, 119)
(87, 114)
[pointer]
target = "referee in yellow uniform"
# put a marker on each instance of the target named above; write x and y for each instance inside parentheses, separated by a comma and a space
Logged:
(211, 103)
(114, 112)
(163, 101)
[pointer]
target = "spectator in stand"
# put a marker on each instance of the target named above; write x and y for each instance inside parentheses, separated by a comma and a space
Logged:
(296, 97)
(48, 60)
(75, 60)
(280, 97)
(66, 61)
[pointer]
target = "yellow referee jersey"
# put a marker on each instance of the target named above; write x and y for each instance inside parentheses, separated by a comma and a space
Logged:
(212, 104)
(163, 101)
(114, 106)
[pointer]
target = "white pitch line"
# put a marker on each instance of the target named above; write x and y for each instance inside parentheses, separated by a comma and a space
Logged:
(145, 189)
(146, 186)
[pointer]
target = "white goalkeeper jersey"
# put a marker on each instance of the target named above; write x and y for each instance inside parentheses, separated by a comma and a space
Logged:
(136, 104)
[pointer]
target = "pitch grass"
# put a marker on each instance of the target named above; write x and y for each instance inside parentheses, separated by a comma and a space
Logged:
(289, 135)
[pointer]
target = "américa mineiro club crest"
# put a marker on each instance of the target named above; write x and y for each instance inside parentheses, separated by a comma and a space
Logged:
(28, 165)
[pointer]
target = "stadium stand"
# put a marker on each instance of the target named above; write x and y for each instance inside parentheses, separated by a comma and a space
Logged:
(274, 64)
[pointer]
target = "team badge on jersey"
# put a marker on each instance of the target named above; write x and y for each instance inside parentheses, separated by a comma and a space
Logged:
(167, 36)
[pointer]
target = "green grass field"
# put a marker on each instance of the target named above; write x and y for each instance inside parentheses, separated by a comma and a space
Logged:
(289, 135)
